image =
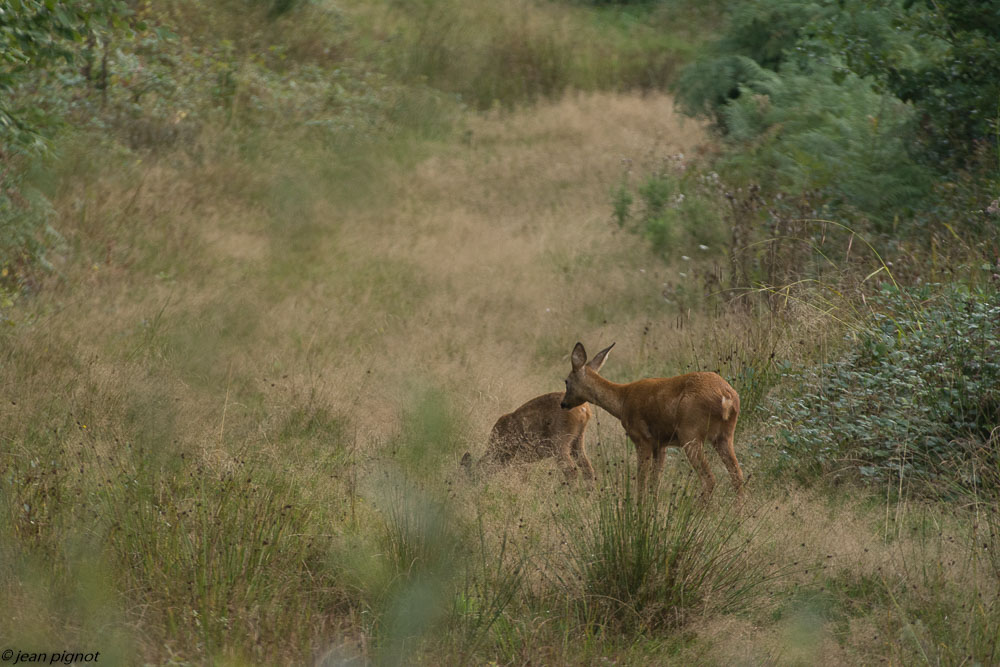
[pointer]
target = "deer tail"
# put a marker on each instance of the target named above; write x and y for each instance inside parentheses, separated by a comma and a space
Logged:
(727, 408)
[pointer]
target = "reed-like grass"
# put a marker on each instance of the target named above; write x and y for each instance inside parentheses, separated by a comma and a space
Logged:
(645, 563)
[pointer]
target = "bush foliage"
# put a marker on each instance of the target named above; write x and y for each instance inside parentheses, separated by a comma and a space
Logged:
(37, 38)
(918, 391)
(866, 103)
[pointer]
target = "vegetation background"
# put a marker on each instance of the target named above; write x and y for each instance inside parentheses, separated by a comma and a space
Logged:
(268, 267)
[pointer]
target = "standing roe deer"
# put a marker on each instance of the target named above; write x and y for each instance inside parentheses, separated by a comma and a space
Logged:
(657, 413)
(538, 429)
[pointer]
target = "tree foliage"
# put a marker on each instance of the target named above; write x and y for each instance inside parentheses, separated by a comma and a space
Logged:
(958, 87)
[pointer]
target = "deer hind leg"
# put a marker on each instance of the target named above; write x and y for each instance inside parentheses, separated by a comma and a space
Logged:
(693, 444)
(582, 461)
(723, 444)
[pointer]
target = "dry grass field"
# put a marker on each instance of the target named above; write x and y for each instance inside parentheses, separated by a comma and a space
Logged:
(233, 414)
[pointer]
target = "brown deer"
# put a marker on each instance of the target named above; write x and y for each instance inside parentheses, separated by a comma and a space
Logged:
(537, 430)
(657, 413)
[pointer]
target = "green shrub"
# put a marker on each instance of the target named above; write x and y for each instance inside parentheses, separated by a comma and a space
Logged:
(763, 39)
(957, 86)
(26, 230)
(705, 86)
(864, 103)
(680, 209)
(917, 392)
(621, 203)
(844, 141)
(36, 38)
(747, 54)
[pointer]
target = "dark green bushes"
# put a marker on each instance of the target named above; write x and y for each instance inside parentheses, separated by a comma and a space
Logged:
(918, 391)
(864, 103)
(941, 56)
(957, 88)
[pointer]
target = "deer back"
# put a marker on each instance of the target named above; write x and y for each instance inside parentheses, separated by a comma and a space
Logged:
(536, 427)
(661, 406)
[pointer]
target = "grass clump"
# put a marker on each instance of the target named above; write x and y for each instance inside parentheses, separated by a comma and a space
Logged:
(493, 583)
(420, 546)
(217, 558)
(220, 554)
(648, 563)
(430, 583)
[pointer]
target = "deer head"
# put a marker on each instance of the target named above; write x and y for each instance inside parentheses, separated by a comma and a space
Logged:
(579, 382)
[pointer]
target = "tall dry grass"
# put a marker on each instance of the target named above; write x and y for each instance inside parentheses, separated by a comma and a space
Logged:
(231, 352)
(232, 419)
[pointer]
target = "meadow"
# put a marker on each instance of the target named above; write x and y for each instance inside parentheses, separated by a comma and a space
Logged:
(301, 257)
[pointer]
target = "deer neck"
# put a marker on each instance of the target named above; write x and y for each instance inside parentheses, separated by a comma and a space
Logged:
(606, 394)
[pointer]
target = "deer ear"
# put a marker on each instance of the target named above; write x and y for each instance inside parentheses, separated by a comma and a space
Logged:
(600, 357)
(579, 357)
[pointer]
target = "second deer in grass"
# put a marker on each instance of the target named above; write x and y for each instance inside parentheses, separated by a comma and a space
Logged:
(539, 429)
(657, 413)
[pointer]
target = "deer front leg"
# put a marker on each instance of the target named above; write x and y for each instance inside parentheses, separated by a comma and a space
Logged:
(582, 461)
(659, 457)
(645, 446)
(562, 449)
(644, 452)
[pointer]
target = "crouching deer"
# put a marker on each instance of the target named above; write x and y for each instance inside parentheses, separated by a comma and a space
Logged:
(537, 430)
(657, 413)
